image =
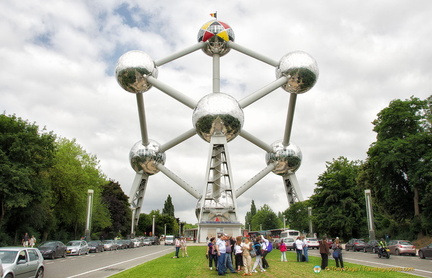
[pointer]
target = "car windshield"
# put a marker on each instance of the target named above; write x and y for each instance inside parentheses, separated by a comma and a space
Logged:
(107, 241)
(8, 257)
(49, 244)
(405, 243)
(312, 239)
(93, 243)
(73, 243)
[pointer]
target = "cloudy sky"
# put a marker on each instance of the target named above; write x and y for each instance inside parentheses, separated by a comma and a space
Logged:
(57, 62)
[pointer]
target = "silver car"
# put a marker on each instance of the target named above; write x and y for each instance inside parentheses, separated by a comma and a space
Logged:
(21, 262)
(77, 247)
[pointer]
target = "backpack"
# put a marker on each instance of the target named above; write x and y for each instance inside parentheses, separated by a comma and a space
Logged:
(269, 247)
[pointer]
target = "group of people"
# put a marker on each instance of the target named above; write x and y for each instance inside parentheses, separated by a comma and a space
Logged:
(324, 249)
(28, 241)
(301, 246)
(180, 243)
(220, 252)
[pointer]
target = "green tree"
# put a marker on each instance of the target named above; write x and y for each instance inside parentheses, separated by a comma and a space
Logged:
(117, 203)
(26, 154)
(265, 219)
(249, 215)
(400, 163)
(168, 208)
(297, 217)
(338, 203)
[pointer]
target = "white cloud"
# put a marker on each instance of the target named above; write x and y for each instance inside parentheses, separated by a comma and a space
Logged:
(58, 59)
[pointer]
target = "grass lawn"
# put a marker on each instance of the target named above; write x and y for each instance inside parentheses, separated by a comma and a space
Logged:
(196, 265)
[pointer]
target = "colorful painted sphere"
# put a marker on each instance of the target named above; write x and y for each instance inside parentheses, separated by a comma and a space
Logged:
(216, 34)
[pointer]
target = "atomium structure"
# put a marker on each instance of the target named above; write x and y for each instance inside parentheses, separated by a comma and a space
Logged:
(217, 118)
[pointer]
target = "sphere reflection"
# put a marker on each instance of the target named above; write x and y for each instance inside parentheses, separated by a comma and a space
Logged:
(132, 70)
(218, 113)
(301, 70)
(287, 158)
(144, 158)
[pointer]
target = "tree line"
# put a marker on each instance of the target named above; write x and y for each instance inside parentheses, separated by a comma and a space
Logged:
(44, 181)
(397, 170)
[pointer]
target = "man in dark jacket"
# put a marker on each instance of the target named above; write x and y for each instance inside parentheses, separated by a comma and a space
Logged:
(324, 251)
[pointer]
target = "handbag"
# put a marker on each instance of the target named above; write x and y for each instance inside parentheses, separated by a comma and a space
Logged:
(253, 252)
(336, 254)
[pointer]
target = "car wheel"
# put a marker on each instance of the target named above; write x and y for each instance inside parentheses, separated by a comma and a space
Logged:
(421, 255)
(40, 273)
(79, 252)
(413, 255)
(9, 275)
(397, 252)
(346, 248)
(364, 250)
(52, 257)
(64, 254)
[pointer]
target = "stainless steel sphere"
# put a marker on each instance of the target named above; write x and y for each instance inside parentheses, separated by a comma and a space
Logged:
(216, 34)
(218, 113)
(132, 70)
(301, 69)
(144, 158)
(287, 158)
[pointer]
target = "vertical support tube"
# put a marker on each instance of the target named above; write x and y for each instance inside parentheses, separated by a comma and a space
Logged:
(153, 226)
(142, 118)
(289, 120)
(216, 73)
(310, 221)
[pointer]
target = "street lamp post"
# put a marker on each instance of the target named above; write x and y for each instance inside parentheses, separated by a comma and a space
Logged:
(153, 227)
(89, 212)
(284, 219)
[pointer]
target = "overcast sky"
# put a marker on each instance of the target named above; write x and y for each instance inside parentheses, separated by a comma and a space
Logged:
(57, 61)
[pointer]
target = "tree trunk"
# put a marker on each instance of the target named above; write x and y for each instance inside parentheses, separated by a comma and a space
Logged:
(416, 202)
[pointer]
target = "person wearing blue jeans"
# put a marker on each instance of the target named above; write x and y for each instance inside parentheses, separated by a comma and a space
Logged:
(299, 249)
(228, 259)
(305, 248)
(221, 253)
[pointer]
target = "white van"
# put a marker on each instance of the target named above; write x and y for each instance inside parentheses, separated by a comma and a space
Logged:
(169, 240)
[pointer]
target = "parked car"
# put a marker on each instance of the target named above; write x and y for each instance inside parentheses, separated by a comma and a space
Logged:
(355, 245)
(289, 243)
(399, 247)
(21, 262)
(52, 249)
(169, 240)
(121, 244)
(77, 247)
(136, 242)
(371, 246)
(425, 252)
(155, 240)
(95, 246)
(128, 243)
(110, 245)
(312, 243)
(147, 242)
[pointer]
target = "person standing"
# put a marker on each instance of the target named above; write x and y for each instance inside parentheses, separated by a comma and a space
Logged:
(238, 253)
(324, 251)
(282, 249)
(221, 252)
(246, 246)
(305, 248)
(32, 241)
(264, 251)
(25, 240)
(337, 254)
(211, 253)
(258, 261)
(299, 248)
(177, 248)
(228, 256)
(183, 245)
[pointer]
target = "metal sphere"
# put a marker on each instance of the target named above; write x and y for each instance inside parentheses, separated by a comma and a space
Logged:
(132, 69)
(216, 34)
(144, 158)
(218, 113)
(301, 70)
(287, 158)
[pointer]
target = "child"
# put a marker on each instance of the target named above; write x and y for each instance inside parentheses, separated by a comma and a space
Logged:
(282, 248)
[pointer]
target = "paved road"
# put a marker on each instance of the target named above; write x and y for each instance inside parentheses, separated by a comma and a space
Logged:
(111, 262)
(103, 264)
(421, 267)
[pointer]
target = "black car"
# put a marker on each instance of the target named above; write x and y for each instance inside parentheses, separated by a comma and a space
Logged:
(425, 252)
(355, 245)
(371, 246)
(96, 246)
(53, 249)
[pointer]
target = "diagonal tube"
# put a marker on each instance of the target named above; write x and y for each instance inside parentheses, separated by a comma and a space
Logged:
(253, 54)
(183, 137)
(262, 92)
(142, 119)
(189, 102)
(179, 54)
(289, 120)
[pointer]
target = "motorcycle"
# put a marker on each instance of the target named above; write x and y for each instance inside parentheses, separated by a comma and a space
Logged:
(384, 252)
